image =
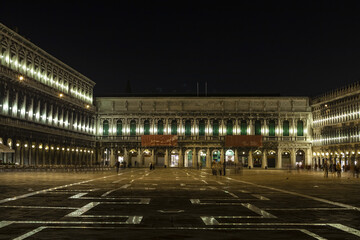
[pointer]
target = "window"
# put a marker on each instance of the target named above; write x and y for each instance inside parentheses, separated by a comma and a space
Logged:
(106, 128)
(133, 128)
(146, 127)
(160, 127)
(119, 128)
(300, 128)
(201, 128)
(243, 127)
(173, 127)
(229, 127)
(272, 128)
(257, 127)
(188, 128)
(286, 128)
(216, 128)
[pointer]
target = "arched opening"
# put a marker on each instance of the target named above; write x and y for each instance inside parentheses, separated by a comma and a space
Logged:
(174, 158)
(271, 159)
(229, 127)
(188, 158)
(243, 157)
(174, 127)
(132, 128)
(300, 159)
(202, 158)
(106, 128)
(257, 158)
(132, 157)
(160, 159)
(216, 155)
(146, 158)
(146, 127)
(285, 159)
(215, 128)
(230, 157)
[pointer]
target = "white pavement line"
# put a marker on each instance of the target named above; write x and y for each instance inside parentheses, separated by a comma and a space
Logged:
(122, 187)
(117, 181)
(132, 181)
(311, 234)
(258, 210)
(209, 220)
(79, 195)
(5, 223)
(39, 207)
(83, 209)
(244, 191)
(258, 196)
(212, 187)
(220, 183)
(50, 189)
(307, 209)
(182, 184)
(28, 234)
(345, 228)
(231, 194)
(205, 181)
(301, 195)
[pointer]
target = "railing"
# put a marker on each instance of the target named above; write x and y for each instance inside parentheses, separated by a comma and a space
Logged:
(137, 138)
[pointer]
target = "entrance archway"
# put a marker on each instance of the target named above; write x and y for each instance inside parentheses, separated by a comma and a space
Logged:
(202, 158)
(160, 159)
(285, 158)
(300, 159)
(216, 155)
(146, 158)
(132, 157)
(230, 157)
(257, 158)
(271, 159)
(188, 158)
(174, 158)
(243, 157)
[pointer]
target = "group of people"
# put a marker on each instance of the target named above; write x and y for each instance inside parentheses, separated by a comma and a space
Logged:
(336, 168)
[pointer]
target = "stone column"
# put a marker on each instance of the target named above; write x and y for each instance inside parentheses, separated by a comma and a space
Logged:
(194, 158)
(139, 162)
(250, 159)
(112, 157)
(308, 157)
(279, 160)
(236, 157)
(152, 156)
(222, 160)
(208, 158)
(166, 160)
(293, 158)
(125, 155)
(264, 159)
(181, 158)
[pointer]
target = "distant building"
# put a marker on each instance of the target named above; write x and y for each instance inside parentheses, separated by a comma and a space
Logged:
(48, 117)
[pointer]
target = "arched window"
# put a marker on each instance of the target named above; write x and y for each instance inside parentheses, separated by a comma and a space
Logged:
(133, 128)
(216, 128)
(229, 127)
(188, 128)
(271, 128)
(257, 127)
(286, 128)
(106, 128)
(202, 128)
(300, 128)
(160, 127)
(173, 127)
(119, 127)
(243, 127)
(146, 127)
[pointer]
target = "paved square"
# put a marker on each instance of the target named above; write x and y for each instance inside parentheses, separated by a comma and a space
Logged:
(179, 204)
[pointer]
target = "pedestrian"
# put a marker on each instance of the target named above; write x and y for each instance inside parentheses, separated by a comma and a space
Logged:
(117, 166)
(357, 169)
(326, 169)
(224, 168)
(338, 169)
(213, 168)
(219, 168)
(151, 166)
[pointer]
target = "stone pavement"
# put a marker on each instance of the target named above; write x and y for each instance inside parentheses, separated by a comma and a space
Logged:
(179, 204)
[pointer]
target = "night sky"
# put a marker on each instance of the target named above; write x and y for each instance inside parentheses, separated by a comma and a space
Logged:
(166, 47)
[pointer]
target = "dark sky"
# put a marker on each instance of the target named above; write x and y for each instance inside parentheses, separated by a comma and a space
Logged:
(287, 47)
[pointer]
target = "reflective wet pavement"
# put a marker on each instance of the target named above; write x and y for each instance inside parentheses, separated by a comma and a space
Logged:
(179, 204)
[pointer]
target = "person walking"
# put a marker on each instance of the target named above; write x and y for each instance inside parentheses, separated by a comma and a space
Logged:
(338, 169)
(117, 166)
(151, 166)
(326, 169)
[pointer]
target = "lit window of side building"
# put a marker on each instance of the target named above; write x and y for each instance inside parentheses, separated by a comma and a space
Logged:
(336, 130)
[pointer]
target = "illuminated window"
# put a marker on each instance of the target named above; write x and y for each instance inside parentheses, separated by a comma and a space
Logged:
(202, 128)
(132, 128)
(271, 128)
(173, 127)
(160, 127)
(243, 127)
(286, 128)
(257, 127)
(146, 127)
(300, 128)
(119, 128)
(188, 128)
(216, 128)
(106, 128)
(229, 127)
